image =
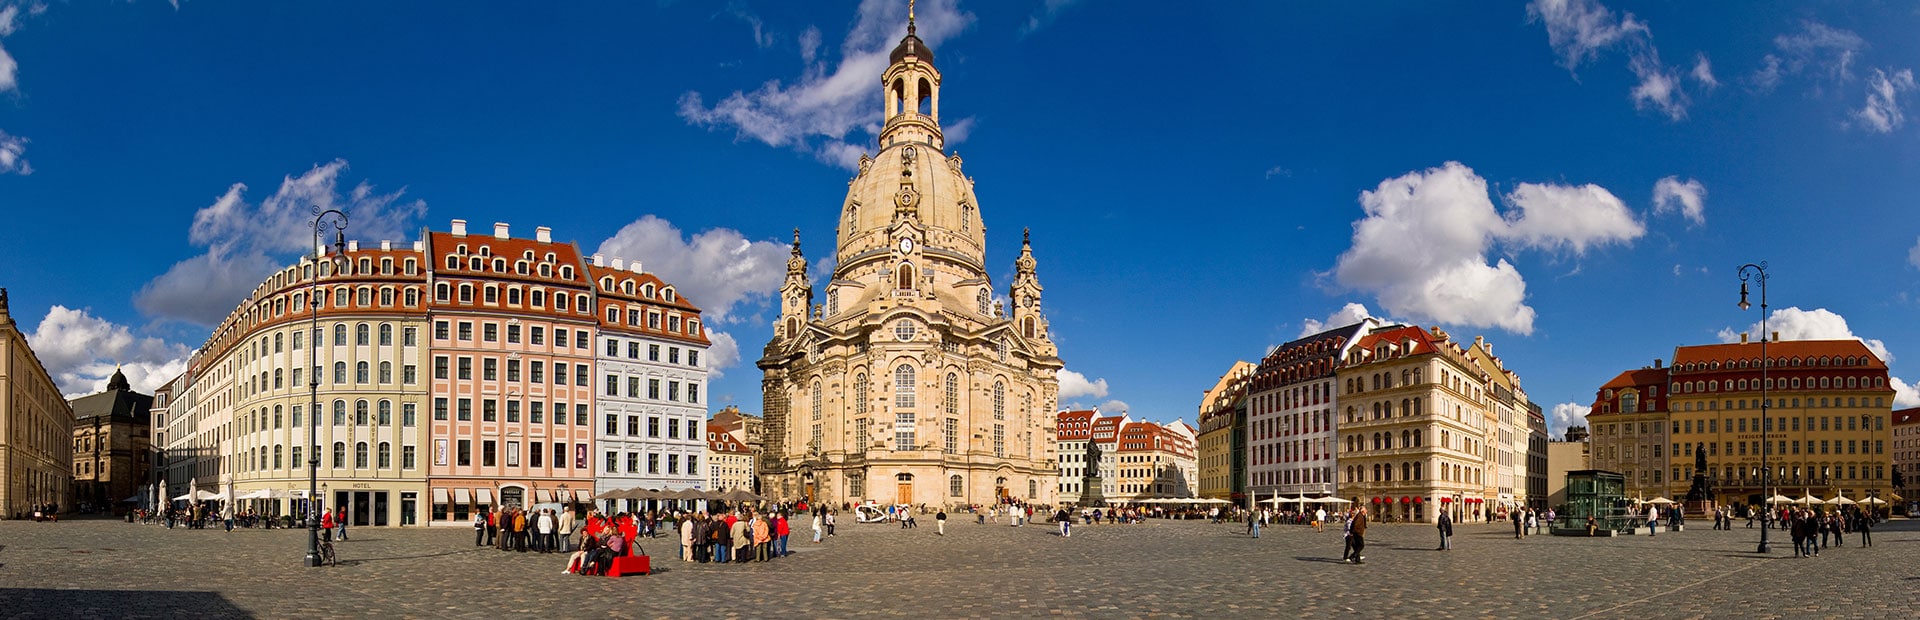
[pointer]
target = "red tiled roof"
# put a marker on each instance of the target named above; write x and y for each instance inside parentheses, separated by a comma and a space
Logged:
(1906, 416)
(1782, 349)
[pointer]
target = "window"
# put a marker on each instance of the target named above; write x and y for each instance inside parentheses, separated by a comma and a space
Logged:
(954, 486)
(465, 410)
(999, 401)
(613, 385)
(406, 457)
(903, 383)
(489, 453)
(816, 400)
(693, 392)
(339, 454)
(536, 412)
(861, 435)
(951, 433)
(489, 410)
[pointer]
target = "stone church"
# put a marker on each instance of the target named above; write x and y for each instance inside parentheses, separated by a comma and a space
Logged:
(911, 383)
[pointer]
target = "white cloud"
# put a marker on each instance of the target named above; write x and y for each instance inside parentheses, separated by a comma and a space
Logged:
(247, 241)
(9, 71)
(1883, 112)
(1831, 51)
(818, 111)
(1689, 198)
(761, 37)
(13, 151)
(81, 352)
(718, 269)
(1076, 385)
(1703, 71)
(1904, 394)
(1817, 324)
(1048, 12)
(1113, 407)
(1767, 77)
(724, 353)
(1565, 415)
(1580, 30)
(1422, 247)
(1346, 315)
(1279, 171)
(1913, 254)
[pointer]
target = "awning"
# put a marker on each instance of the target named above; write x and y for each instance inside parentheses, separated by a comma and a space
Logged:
(583, 495)
(542, 496)
(440, 496)
(483, 496)
(461, 496)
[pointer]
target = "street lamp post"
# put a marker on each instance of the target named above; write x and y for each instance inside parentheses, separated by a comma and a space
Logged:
(320, 222)
(1759, 272)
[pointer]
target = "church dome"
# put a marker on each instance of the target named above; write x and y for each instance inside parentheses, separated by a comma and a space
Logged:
(916, 184)
(911, 46)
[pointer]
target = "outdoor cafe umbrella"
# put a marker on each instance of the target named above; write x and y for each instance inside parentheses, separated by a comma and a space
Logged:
(1808, 500)
(1873, 501)
(1780, 499)
(1840, 500)
(739, 495)
(1660, 500)
(613, 494)
(1335, 500)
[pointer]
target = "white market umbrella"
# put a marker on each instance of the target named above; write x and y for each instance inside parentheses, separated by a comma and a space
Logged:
(183, 498)
(1840, 500)
(1808, 500)
(1873, 501)
(1335, 500)
(256, 494)
(1780, 499)
(1660, 500)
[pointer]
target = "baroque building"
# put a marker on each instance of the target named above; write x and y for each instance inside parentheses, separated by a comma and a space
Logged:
(910, 384)
(112, 431)
(1222, 437)
(1290, 424)
(36, 427)
(1417, 426)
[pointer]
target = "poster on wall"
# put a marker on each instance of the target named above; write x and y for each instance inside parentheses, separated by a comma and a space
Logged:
(580, 456)
(440, 452)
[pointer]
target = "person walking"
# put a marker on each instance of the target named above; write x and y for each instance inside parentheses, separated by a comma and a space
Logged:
(819, 516)
(326, 525)
(493, 526)
(545, 528)
(1519, 521)
(1446, 531)
(686, 539)
(1253, 524)
(565, 528)
(1066, 522)
(479, 528)
(1653, 519)
(780, 532)
(1319, 519)
(1864, 524)
(342, 519)
(939, 525)
(1359, 529)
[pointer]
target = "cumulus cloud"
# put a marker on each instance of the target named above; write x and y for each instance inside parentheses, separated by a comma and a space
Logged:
(1346, 315)
(13, 151)
(1113, 407)
(1565, 415)
(1688, 198)
(81, 352)
(1049, 10)
(1816, 324)
(1913, 254)
(246, 241)
(1579, 31)
(718, 270)
(1883, 112)
(724, 353)
(1076, 385)
(1422, 247)
(1904, 394)
(819, 112)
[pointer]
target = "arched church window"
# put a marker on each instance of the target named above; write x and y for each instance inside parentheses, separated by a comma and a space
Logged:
(984, 299)
(1026, 327)
(905, 277)
(903, 386)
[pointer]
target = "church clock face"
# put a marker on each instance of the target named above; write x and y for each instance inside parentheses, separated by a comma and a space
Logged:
(906, 245)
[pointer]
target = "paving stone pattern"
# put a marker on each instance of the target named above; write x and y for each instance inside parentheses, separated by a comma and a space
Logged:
(1168, 569)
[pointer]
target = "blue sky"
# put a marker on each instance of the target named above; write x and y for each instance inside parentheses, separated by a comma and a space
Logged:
(1574, 180)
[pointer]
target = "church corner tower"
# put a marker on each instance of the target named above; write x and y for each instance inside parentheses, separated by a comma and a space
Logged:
(910, 383)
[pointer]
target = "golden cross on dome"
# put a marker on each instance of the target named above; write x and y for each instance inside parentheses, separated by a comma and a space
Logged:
(909, 16)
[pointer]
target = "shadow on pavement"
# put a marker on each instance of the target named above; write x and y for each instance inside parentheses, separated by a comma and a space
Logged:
(1318, 559)
(47, 603)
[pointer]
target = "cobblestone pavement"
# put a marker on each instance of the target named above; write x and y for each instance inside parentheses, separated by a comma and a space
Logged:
(1159, 569)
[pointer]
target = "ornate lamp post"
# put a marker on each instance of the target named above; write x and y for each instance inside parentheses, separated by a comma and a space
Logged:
(1759, 272)
(321, 221)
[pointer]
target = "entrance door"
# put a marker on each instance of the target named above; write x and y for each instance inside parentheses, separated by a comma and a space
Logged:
(362, 507)
(407, 505)
(513, 496)
(380, 508)
(906, 491)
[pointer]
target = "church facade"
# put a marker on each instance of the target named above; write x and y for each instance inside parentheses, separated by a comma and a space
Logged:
(911, 383)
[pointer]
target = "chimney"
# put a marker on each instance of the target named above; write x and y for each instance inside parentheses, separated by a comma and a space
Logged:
(500, 230)
(419, 246)
(353, 245)
(599, 261)
(1657, 362)
(1743, 337)
(386, 245)
(635, 266)
(543, 234)
(1776, 337)
(459, 228)
(5, 317)
(619, 264)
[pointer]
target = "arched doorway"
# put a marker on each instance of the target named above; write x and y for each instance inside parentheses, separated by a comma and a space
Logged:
(903, 483)
(1000, 492)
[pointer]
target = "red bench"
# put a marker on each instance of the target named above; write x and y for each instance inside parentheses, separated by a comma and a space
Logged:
(629, 565)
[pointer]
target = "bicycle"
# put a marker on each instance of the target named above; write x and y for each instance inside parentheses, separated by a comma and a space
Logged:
(326, 553)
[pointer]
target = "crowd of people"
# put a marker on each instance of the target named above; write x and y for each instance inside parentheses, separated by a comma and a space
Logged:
(1813, 531)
